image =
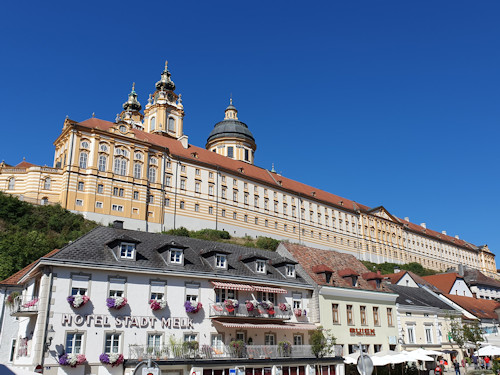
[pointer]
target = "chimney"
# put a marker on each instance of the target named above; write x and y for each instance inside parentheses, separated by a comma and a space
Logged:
(423, 225)
(456, 236)
(407, 218)
(461, 270)
(118, 224)
(444, 232)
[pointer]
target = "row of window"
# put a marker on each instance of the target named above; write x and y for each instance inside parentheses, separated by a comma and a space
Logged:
(362, 315)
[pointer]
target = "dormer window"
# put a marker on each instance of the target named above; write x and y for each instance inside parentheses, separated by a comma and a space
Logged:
(127, 250)
(221, 261)
(260, 266)
(176, 256)
(354, 280)
(290, 270)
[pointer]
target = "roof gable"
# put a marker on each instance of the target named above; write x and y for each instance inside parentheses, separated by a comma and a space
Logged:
(380, 211)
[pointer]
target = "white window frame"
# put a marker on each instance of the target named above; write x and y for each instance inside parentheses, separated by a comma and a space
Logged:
(129, 249)
(221, 261)
(76, 342)
(157, 290)
(115, 341)
(260, 266)
(176, 256)
(290, 270)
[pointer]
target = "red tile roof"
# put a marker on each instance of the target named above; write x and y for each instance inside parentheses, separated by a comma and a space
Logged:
(25, 164)
(481, 308)
(321, 268)
(310, 258)
(14, 279)
(347, 272)
(443, 281)
(200, 155)
(395, 277)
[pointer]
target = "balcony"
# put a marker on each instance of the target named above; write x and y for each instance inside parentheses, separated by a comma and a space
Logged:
(25, 306)
(219, 310)
(178, 352)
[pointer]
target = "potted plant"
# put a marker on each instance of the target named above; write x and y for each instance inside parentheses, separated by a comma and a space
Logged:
(250, 305)
(157, 304)
(191, 347)
(299, 312)
(77, 301)
(269, 306)
(113, 359)
(116, 302)
(284, 306)
(285, 348)
(192, 306)
(237, 348)
(231, 304)
(72, 359)
(11, 299)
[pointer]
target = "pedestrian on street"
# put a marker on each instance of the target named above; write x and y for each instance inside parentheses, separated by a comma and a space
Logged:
(457, 367)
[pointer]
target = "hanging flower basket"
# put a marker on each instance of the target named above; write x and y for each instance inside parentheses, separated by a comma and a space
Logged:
(72, 359)
(11, 298)
(157, 304)
(192, 307)
(77, 301)
(231, 304)
(284, 306)
(113, 359)
(251, 305)
(116, 302)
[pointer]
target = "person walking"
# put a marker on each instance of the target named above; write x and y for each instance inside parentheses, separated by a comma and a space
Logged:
(487, 362)
(457, 367)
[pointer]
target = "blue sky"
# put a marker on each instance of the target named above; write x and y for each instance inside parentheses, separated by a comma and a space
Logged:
(391, 103)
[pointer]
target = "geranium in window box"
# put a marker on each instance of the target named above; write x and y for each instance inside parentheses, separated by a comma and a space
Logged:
(157, 304)
(116, 302)
(113, 359)
(251, 305)
(231, 304)
(267, 305)
(284, 306)
(192, 306)
(72, 359)
(77, 301)
(299, 312)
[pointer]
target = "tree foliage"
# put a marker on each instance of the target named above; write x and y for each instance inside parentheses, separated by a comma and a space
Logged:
(28, 232)
(322, 342)
(465, 332)
(386, 268)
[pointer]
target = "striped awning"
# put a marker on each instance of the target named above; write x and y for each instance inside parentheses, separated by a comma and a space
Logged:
(233, 286)
(289, 326)
(249, 288)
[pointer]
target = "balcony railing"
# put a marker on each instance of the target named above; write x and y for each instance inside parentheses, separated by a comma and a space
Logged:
(25, 306)
(180, 351)
(218, 309)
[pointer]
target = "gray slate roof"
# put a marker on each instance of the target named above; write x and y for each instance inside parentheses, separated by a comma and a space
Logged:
(96, 248)
(418, 297)
(231, 128)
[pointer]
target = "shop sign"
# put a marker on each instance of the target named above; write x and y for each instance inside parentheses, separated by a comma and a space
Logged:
(362, 331)
(96, 320)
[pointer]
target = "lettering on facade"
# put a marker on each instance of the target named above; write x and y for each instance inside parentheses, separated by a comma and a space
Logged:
(362, 331)
(125, 321)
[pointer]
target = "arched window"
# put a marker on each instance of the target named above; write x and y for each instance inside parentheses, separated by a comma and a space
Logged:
(120, 166)
(46, 183)
(152, 123)
(103, 160)
(152, 174)
(83, 160)
(85, 144)
(171, 124)
(103, 147)
(12, 183)
(137, 170)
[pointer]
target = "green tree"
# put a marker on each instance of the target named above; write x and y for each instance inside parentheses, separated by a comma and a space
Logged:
(322, 342)
(267, 243)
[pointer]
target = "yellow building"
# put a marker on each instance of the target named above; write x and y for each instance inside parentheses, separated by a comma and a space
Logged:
(142, 169)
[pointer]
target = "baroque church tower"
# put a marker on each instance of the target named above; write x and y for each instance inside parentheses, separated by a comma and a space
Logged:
(164, 113)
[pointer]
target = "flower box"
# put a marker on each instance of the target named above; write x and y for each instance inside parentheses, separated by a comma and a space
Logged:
(231, 304)
(157, 304)
(251, 305)
(284, 306)
(192, 306)
(299, 312)
(116, 302)
(72, 359)
(77, 301)
(113, 359)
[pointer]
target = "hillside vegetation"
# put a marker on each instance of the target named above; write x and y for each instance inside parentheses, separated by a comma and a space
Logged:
(28, 232)
(387, 268)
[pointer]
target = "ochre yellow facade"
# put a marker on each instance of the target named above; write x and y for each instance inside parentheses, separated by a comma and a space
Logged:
(141, 169)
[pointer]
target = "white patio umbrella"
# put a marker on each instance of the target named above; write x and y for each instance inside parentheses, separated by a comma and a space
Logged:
(417, 356)
(487, 351)
(427, 351)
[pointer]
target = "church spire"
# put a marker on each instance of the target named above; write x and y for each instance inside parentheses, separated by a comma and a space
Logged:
(132, 104)
(165, 82)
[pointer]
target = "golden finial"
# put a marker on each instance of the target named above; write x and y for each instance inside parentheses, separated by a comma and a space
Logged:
(166, 65)
(133, 86)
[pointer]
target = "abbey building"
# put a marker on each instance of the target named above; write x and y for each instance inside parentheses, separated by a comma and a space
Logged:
(140, 168)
